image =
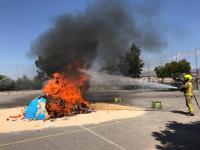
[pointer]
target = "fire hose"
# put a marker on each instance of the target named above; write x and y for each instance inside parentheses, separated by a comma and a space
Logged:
(196, 101)
(182, 89)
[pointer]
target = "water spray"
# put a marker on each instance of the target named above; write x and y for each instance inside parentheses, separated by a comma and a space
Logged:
(196, 101)
(104, 79)
(3, 79)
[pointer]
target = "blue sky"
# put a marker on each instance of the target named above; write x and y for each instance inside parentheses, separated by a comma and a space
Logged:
(23, 21)
(180, 21)
(182, 16)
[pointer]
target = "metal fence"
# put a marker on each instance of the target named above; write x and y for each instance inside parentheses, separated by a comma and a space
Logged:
(16, 71)
(155, 59)
(151, 60)
(192, 56)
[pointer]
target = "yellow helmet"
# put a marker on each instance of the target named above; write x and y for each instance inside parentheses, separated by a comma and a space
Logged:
(187, 77)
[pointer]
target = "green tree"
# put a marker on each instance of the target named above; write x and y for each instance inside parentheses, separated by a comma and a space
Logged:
(131, 65)
(173, 69)
(6, 84)
(23, 83)
(39, 79)
(161, 72)
(2, 76)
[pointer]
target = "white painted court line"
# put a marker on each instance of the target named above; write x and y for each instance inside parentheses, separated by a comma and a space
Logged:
(103, 138)
(39, 138)
(67, 132)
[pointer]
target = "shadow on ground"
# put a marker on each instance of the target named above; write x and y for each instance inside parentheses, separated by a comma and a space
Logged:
(179, 136)
(180, 112)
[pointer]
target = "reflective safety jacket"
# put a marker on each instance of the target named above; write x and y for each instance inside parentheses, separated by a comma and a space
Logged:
(188, 89)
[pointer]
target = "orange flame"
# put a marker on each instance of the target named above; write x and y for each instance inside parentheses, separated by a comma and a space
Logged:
(69, 86)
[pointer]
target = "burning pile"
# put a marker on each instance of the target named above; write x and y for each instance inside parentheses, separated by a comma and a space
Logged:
(98, 37)
(65, 93)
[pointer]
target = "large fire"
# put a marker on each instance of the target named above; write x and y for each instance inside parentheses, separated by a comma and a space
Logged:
(65, 92)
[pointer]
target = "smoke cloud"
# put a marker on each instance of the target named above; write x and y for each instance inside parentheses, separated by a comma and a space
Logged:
(102, 32)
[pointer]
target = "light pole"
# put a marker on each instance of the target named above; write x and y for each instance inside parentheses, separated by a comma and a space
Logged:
(148, 71)
(197, 72)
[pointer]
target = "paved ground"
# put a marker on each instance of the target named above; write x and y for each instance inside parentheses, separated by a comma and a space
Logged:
(169, 129)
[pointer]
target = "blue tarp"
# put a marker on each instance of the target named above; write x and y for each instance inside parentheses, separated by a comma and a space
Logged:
(36, 109)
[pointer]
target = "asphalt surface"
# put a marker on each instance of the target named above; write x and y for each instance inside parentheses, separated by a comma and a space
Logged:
(167, 129)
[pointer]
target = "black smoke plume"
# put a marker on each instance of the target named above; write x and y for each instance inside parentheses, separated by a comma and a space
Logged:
(102, 32)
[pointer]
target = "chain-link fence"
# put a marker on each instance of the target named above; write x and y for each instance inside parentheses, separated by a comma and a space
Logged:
(16, 71)
(23, 74)
(154, 60)
(18, 77)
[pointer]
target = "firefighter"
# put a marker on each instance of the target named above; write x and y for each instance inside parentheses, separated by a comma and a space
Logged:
(187, 89)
